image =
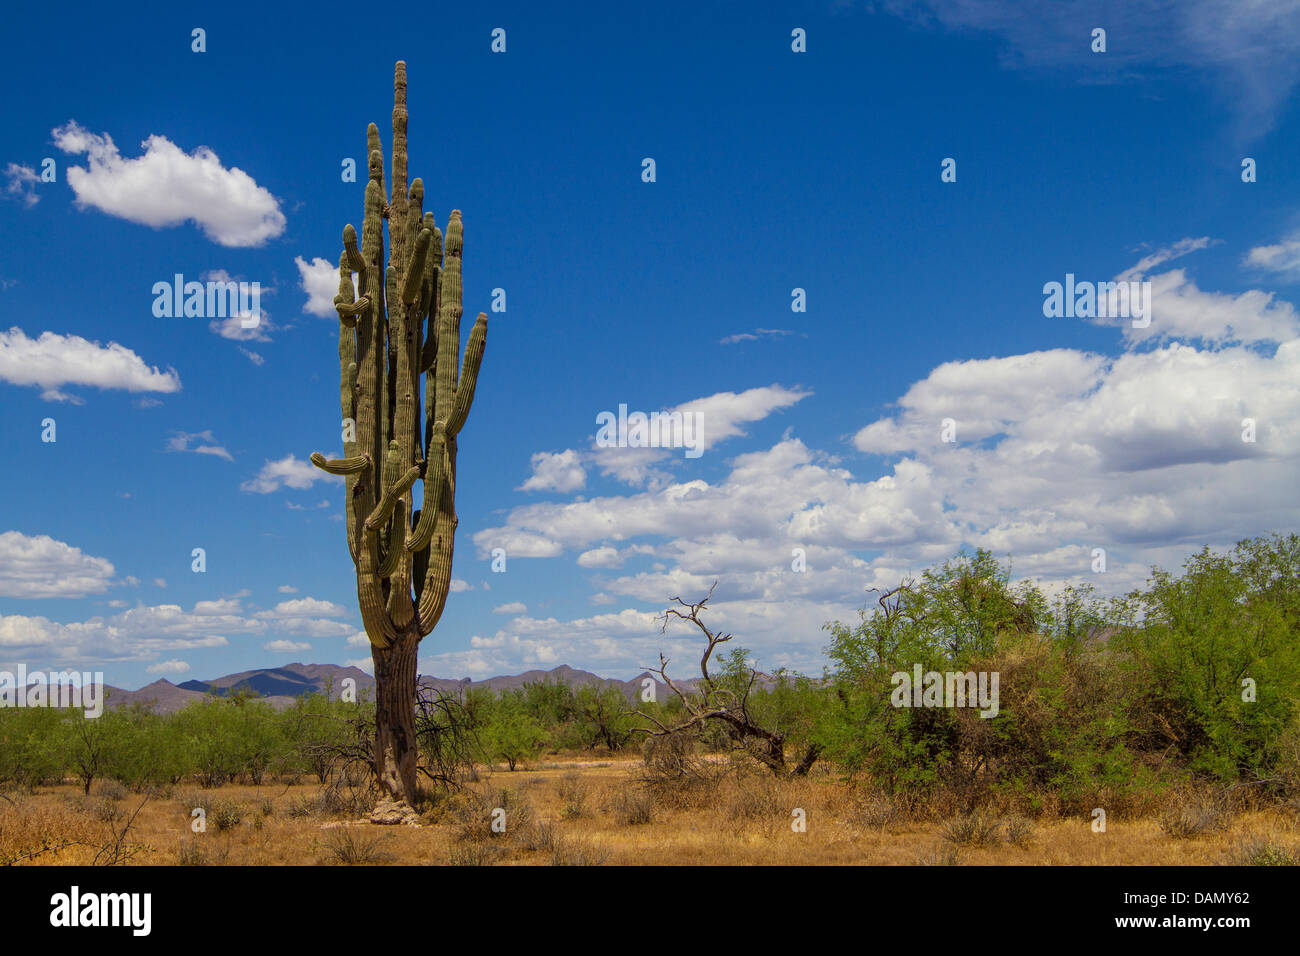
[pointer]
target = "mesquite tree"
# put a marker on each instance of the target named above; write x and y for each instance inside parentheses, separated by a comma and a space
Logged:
(712, 701)
(400, 322)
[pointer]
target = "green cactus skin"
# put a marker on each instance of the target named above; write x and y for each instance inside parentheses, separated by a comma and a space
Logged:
(399, 323)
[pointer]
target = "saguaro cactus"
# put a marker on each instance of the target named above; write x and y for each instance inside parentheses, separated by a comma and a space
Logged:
(403, 321)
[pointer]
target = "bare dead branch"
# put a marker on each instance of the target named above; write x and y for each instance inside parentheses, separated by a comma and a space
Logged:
(721, 704)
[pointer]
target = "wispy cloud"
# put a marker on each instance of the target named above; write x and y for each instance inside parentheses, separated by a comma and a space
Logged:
(206, 444)
(753, 336)
(1250, 51)
(20, 184)
(1280, 258)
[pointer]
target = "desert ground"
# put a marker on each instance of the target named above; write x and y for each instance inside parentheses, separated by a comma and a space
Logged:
(585, 810)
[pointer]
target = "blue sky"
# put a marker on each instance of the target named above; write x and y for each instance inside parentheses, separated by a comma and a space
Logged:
(775, 170)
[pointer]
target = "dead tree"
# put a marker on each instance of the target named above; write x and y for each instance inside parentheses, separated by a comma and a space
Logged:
(712, 702)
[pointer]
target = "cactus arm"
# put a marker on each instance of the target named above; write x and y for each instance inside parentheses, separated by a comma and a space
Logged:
(414, 216)
(375, 155)
(388, 568)
(423, 423)
(389, 473)
(345, 300)
(356, 261)
(350, 310)
(391, 335)
(384, 510)
(390, 289)
(370, 333)
(434, 477)
(370, 593)
(437, 575)
(354, 465)
(449, 321)
(437, 579)
(370, 590)
(430, 353)
(453, 255)
(398, 206)
(414, 279)
(419, 564)
(468, 375)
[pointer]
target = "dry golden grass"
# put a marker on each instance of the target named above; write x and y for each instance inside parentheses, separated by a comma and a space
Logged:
(585, 812)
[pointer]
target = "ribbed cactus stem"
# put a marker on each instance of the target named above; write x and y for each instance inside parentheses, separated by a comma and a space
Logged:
(411, 285)
(398, 323)
(399, 332)
(434, 478)
(341, 466)
(397, 224)
(468, 375)
(398, 545)
(415, 213)
(355, 260)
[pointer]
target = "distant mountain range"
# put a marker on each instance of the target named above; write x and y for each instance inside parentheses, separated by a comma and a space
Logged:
(281, 686)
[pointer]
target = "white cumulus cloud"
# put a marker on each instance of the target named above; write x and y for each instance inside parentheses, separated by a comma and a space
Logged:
(166, 187)
(304, 607)
(168, 667)
(53, 361)
(320, 280)
(556, 471)
(286, 647)
(42, 567)
(287, 472)
(602, 557)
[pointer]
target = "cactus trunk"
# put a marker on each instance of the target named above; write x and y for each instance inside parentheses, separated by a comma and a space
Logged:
(396, 748)
(401, 324)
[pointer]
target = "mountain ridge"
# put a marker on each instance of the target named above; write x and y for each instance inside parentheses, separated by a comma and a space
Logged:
(281, 686)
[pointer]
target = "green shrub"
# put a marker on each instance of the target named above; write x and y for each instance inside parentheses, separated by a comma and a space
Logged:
(226, 814)
(1265, 852)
